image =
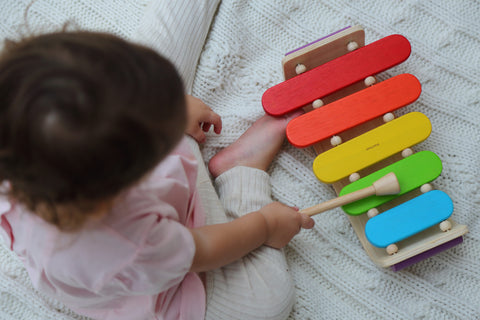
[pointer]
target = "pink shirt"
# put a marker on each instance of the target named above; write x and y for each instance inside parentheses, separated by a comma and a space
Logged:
(134, 263)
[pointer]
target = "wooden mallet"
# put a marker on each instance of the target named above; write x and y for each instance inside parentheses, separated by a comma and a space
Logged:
(386, 185)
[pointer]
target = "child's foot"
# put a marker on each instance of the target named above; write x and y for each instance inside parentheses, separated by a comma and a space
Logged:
(256, 147)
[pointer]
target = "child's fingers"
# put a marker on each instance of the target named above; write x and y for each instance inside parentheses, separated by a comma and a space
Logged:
(201, 118)
(307, 221)
(216, 121)
(206, 126)
(212, 121)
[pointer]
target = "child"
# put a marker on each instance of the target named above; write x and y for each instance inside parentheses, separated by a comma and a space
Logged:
(100, 189)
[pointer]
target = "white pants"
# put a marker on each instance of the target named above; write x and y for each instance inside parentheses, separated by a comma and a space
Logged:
(259, 285)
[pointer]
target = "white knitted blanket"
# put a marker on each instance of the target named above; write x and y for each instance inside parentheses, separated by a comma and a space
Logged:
(334, 277)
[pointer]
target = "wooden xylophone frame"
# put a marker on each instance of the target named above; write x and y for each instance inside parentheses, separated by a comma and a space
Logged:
(413, 249)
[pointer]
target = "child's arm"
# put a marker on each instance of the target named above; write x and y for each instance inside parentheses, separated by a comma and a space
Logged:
(273, 225)
(200, 118)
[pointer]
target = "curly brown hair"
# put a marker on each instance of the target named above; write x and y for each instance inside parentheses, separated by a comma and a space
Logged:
(83, 115)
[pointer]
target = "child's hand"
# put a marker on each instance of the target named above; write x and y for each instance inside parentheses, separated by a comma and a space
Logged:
(274, 225)
(283, 223)
(200, 118)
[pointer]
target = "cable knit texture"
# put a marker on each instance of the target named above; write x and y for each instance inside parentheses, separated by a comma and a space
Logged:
(241, 58)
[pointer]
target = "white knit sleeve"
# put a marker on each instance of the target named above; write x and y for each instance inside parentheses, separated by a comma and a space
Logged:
(177, 30)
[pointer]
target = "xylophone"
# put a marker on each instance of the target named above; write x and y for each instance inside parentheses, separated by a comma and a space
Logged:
(349, 122)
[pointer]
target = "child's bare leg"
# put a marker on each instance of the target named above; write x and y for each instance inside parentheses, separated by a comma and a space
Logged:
(256, 148)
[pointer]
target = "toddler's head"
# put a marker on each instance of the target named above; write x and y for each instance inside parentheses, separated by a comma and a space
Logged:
(83, 116)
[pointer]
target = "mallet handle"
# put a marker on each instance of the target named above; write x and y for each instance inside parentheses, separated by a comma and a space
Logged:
(340, 201)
